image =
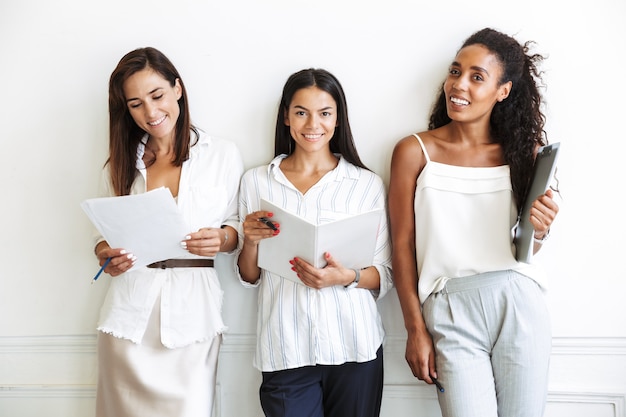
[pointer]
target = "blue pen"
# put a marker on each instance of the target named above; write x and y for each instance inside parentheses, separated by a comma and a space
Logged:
(438, 384)
(101, 269)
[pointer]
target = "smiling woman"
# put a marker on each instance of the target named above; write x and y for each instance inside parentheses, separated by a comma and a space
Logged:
(317, 358)
(152, 101)
(234, 58)
(160, 326)
(153, 104)
(476, 317)
(312, 118)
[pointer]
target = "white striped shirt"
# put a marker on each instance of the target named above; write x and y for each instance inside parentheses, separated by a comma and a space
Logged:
(301, 326)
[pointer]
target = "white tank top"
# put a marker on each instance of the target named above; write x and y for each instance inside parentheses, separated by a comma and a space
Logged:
(464, 224)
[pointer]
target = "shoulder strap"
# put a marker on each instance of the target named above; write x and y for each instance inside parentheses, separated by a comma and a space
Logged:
(423, 147)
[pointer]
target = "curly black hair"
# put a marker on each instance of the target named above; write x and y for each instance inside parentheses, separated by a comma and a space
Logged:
(516, 123)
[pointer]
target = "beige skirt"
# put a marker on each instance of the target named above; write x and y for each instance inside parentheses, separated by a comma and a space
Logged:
(152, 380)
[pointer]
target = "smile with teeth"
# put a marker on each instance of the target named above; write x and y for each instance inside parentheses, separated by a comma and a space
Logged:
(459, 101)
(157, 122)
(313, 136)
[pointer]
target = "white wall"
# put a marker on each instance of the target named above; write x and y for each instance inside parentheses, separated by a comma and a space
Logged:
(234, 56)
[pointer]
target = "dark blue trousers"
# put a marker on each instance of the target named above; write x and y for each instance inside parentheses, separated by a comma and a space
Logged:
(348, 390)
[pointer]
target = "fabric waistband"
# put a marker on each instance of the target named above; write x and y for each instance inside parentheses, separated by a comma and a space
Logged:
(485, 279)
(182, 263)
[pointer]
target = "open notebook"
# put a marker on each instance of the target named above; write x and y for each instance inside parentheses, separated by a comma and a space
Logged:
(350, 240)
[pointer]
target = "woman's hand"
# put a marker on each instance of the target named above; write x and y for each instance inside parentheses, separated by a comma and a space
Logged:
(543, 213)
(205, 242)
(257, 228)
(121, 260)
(420, 355)
(332, 274)
(254, 230)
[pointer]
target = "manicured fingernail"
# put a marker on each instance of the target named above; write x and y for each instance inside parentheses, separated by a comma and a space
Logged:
(183, 244)
(187, 237)
(123, 252)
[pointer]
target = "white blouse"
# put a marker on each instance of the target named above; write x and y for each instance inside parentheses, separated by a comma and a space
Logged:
(464, 223)
(191, 298)
(302, 326)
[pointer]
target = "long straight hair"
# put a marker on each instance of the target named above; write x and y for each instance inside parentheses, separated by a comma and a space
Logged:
(124, 134)
(342, 141)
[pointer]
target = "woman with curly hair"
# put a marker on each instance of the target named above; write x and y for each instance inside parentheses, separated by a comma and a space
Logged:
(476, 318)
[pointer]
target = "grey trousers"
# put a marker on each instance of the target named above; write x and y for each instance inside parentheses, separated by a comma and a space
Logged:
(492, 340)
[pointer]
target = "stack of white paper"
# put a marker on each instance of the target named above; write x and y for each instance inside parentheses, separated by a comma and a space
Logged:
(148, 225)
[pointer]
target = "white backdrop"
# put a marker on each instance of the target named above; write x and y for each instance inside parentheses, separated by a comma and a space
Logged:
(234, 56)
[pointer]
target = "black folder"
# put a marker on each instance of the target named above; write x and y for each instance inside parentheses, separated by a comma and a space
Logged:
(543, 172)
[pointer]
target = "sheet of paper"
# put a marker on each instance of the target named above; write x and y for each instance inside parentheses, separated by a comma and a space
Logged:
(351, 241)
(147, 225)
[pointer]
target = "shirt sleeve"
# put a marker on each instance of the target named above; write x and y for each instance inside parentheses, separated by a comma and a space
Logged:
(104, 190)
(246, 206)
(233, 180)
(382, 254)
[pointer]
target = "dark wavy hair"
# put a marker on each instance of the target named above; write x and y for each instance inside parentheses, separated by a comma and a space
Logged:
(342, 141)
(517, 123)
(124, 134)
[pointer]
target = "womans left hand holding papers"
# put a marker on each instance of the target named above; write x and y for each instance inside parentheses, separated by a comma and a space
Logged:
(168, 206)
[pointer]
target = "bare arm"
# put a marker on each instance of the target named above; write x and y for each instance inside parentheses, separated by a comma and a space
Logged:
(407, 162)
